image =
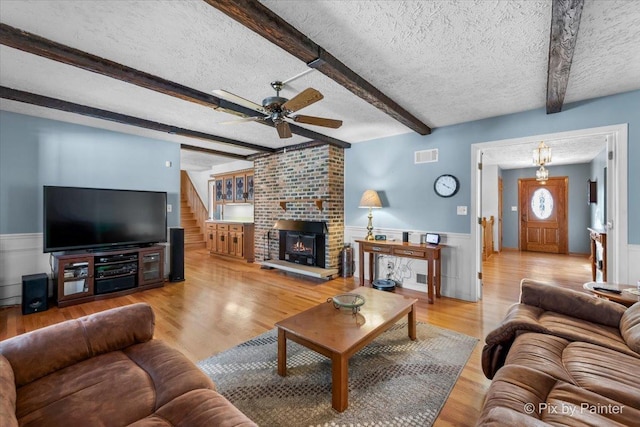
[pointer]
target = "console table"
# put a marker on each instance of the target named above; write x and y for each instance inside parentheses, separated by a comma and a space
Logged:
(429, 253)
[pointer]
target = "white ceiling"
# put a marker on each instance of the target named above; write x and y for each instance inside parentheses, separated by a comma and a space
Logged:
(446, 62)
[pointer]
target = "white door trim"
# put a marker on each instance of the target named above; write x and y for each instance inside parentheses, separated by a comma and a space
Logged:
(617, 238)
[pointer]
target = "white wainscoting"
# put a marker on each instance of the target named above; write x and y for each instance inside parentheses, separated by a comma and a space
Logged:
(457, 262)
(21, 254)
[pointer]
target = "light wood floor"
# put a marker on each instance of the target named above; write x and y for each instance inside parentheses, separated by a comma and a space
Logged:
(224, 302)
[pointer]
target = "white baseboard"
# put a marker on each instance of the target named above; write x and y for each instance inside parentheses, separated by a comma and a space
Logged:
(456, 262)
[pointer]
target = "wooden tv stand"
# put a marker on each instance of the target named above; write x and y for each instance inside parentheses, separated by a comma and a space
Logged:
(89, 276)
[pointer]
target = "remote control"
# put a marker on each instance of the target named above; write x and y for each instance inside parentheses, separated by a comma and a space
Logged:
(615, 291)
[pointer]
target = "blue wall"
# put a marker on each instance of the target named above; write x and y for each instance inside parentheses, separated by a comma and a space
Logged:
(36, 152)
(386, 164)
(579, 212)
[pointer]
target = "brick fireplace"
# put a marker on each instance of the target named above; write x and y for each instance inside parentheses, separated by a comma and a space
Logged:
(293, 186)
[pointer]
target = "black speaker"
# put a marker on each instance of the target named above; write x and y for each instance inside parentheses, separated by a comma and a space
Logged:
(34, 293)
(176, 259)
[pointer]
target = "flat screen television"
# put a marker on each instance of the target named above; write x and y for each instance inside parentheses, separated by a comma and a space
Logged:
(88, 218)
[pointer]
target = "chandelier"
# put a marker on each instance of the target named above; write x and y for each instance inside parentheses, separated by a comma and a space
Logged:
(542, 154)
(542, 175)
(541, 157)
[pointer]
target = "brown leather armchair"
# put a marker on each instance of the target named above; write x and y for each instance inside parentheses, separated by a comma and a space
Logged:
(106, 369)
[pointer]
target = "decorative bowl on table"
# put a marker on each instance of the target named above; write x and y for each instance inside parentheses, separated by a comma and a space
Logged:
(348, 301)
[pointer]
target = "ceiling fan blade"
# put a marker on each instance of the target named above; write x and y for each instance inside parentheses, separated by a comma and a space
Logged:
(238, 100)
(284, 131)
(317, 121)
(303, 99)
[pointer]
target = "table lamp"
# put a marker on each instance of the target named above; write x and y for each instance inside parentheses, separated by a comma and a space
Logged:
(370, 199)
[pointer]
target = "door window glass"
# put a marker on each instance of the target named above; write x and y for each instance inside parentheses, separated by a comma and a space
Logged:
(542, 203)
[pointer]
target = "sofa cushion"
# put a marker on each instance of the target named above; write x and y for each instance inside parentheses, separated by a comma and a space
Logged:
(570, 303)
(523, 396)
(73, 341)
(630, 327)
(197, 408)
(120, 386)
(7, 395)
(581, 330)
(590, 367)
(170, 372)
(106, 389)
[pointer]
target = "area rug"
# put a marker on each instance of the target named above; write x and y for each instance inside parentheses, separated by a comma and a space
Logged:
(392, 382)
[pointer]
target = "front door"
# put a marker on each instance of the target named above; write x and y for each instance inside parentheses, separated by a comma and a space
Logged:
(543, 215)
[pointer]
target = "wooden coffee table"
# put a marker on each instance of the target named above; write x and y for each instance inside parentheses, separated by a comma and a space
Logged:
(339, 334)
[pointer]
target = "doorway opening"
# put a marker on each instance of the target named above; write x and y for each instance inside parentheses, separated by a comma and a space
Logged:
(614, 139)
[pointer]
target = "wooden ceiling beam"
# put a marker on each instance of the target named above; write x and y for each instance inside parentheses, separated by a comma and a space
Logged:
(212, 152)
(260, 19)
(70, 107)
(34, 44)
(565, 22)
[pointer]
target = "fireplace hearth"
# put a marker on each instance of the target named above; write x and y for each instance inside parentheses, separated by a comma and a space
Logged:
(302, 242)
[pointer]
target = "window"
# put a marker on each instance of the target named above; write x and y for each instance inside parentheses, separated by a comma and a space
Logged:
(542, 203)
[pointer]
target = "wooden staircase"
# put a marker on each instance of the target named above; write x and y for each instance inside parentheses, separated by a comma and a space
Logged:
(192, 222)
(193, 236)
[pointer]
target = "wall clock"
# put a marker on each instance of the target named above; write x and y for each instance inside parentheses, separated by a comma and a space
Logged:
(446, 185)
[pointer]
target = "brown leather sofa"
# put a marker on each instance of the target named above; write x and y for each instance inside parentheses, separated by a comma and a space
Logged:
(106, 370)
(563, 358)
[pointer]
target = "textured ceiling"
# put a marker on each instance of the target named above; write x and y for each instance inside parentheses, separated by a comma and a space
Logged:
(445, 62)
(581, 149)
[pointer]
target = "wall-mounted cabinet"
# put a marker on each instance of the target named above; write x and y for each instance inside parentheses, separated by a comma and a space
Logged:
(235, 187)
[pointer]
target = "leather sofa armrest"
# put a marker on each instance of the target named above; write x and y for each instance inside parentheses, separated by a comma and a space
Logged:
(630, 327)
(570, 303)
(43, 351)
(7, 395)
(520, 318)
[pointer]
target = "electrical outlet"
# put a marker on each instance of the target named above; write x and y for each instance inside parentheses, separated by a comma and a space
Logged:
(514, 209)
(169, 208)
(462, 210)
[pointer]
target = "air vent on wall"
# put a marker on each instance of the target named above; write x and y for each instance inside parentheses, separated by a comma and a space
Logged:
(426, 156)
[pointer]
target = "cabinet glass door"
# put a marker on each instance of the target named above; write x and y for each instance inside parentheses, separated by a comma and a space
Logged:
(228, 189)
(240, 188)
(75, 277)
(249, 185)
(219, 190)
(151, 266)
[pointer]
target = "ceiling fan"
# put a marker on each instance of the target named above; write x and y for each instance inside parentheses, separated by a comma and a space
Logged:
(276, 108)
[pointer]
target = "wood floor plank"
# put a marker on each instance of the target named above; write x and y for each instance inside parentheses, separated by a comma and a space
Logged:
(224, 302)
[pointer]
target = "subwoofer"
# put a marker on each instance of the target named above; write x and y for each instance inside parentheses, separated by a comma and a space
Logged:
(35, 292)
(176, 259)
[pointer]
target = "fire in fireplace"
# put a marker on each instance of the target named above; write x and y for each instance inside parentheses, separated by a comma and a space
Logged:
(302, 242)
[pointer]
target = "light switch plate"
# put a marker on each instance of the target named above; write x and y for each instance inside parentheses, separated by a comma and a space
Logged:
(169, 208)
(462, 210)
(514, 209)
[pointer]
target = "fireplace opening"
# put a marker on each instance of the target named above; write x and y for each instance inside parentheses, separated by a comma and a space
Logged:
(302, 242)
(300, 248)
